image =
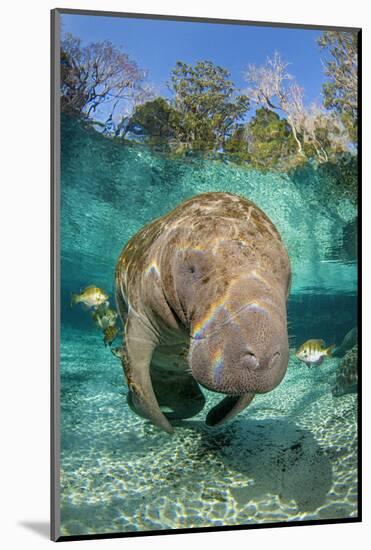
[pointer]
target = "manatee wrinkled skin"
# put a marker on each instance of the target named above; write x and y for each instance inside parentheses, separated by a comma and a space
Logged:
(202, 292)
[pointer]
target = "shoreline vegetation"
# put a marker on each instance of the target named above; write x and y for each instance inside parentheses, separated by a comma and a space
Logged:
(205, 115)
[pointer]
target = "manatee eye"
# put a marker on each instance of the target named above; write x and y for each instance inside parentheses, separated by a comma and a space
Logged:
(192, 269)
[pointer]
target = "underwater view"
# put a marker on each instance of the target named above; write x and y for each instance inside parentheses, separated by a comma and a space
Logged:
(292, 454)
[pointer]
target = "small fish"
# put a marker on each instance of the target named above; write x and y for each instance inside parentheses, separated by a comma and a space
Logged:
(118, 352)
(110, 334)
(104, 316)
(91, 296)
(313, 352)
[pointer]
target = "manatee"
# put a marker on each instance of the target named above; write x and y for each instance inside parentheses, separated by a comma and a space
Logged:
(350, 340)
(202, 293)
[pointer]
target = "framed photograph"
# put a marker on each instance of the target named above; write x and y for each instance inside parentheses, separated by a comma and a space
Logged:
(205, 274)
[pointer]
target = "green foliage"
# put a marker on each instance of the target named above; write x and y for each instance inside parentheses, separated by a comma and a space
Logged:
(236, 147)
(157, 121)
(326, 139)
(340, 92)
(206, 112)
(341, 173)
(270, 141)
(208, 104)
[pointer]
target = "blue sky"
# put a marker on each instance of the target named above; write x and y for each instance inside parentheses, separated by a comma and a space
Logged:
(156, 45)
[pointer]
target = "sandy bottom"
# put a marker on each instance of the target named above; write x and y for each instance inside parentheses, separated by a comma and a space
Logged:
(292, 455)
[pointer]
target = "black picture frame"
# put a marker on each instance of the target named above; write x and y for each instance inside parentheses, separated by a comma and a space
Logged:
(55, 272)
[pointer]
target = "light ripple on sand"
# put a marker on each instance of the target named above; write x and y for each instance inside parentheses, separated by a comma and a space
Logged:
(292, 455)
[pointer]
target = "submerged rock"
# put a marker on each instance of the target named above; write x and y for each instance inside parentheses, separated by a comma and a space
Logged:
(347, 374)
(350, 340)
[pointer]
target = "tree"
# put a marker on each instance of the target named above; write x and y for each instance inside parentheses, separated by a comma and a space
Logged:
(272, 87)
(208, 103)
(322, 133)
(156, 121)
(97, 79)
(236, 147)
(341, 67)
(73, 95)
(270, 140)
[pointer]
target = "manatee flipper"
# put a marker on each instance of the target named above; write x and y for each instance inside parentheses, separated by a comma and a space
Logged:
(228, 408)
(179, 396)
(175, 405)
(140, 344)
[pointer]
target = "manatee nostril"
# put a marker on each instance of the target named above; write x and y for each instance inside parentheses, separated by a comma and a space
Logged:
(274, 359)
(250, 360)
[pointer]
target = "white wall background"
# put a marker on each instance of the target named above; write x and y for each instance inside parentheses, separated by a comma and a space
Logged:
(24, 290)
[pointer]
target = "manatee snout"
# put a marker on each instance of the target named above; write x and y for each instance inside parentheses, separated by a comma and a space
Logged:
(248, 353)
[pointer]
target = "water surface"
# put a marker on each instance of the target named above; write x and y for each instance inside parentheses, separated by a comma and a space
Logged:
(292, 455)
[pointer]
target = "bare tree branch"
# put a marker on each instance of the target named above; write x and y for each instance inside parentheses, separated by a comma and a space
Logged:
(97, 76)
(272, 87)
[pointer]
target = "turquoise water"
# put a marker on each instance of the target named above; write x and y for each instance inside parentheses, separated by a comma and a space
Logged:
(291, 455)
